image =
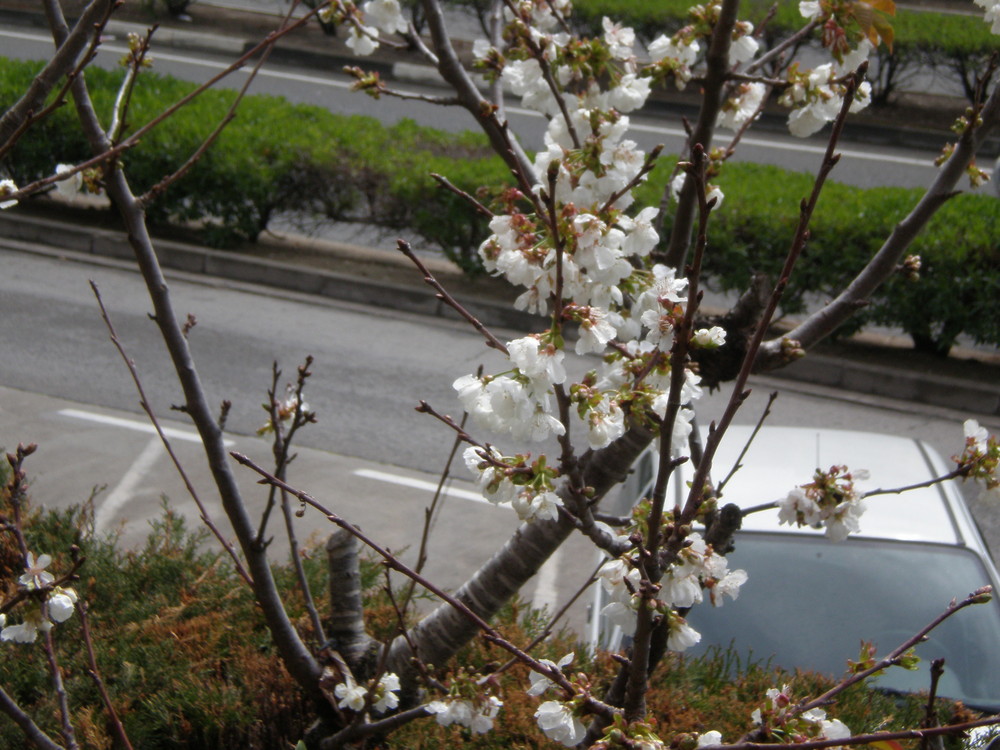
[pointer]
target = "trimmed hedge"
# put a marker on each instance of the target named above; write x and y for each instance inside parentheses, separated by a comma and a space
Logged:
(959, 282)
(952, 33)
(274, 157)
(953, 44)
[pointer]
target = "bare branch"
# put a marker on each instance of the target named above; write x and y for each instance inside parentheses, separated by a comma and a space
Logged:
(455, 75)
(715, 78)
(63, 62)
(95, 675)
(206, 518)
(31, 730)
(442, 294)
(822, 323)
(300, 663)
(977, 597)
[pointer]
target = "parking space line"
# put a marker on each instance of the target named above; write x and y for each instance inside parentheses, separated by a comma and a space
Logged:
(383, 476)
(131, 424)
(127, 486)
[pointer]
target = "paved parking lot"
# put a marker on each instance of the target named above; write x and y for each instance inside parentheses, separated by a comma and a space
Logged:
(115, 456)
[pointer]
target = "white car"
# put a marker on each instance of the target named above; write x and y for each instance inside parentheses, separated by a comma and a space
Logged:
(810, 602)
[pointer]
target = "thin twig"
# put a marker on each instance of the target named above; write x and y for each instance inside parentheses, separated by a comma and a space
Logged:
(549, 626)
(954, 474)
(976, 597)
(479, 207)
(95, 675)
(170, 179)
(55, 674)
(136, 59)
(738, 463)
(148, 409)
(29, 108)
(443, 295)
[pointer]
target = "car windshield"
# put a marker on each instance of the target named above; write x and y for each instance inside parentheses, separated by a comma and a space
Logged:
(809, 603)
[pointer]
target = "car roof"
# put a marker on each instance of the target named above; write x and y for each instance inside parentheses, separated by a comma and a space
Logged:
(781, 458)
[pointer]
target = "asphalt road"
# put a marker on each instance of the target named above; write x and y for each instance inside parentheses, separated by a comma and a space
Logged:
(861, 164)
(371, 367)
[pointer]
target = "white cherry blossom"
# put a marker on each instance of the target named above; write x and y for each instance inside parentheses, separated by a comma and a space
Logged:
(539, 682)
(36, 576)
(681, 636)
(362, 41)
(538, 361)
(992, 15)
(71, 186)
(61, 604)
(709, 338)
(386, 15)
(350, 696)
(7, 187)
(559, 723)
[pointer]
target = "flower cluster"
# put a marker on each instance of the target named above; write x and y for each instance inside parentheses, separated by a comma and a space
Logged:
(287, 408)
(475, 716)
(374, 17)
(992, 13)
(830, 500)
(528, 488)
(620, 735)
(383, 697)
(981, 457)
(697, 569)
(469, 703)
(817, 96)
(778, 717)
(39, 614)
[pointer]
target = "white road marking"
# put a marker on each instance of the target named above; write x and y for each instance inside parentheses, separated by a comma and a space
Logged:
(131, 424)
(126, 488)
(780, 145)
(419, 484)
(546, 594)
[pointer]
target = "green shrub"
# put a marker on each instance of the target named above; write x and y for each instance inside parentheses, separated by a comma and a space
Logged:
(279, 157)
(273, 157)
(960, 250)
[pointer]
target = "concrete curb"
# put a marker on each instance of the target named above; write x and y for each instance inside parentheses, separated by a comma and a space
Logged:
(26, 233)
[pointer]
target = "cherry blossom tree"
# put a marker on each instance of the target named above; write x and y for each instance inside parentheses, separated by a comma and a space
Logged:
(605, 279)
